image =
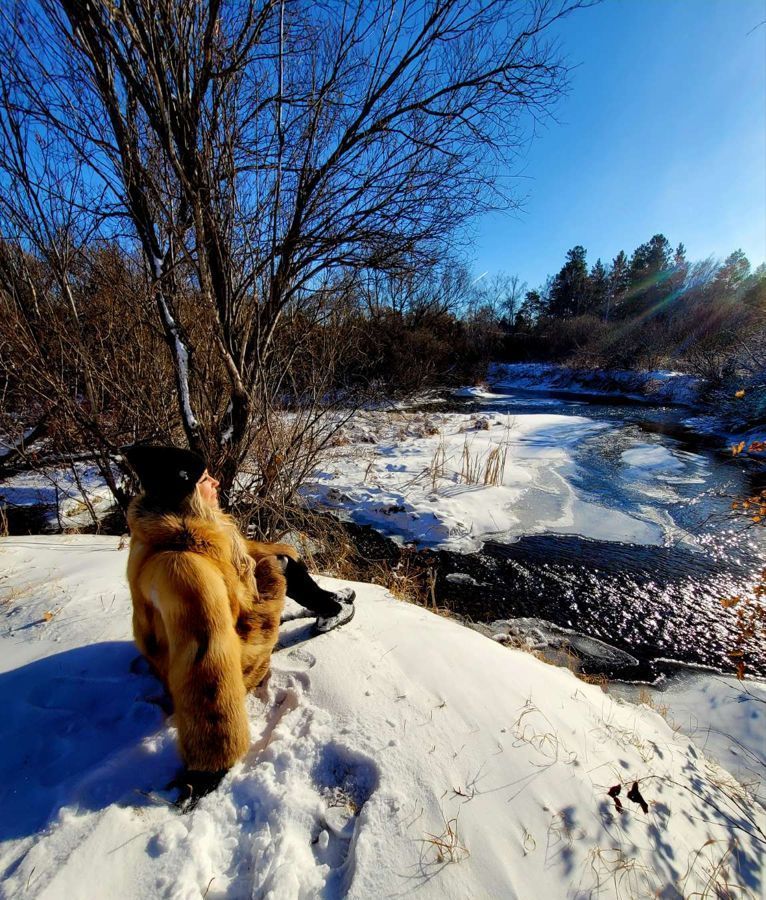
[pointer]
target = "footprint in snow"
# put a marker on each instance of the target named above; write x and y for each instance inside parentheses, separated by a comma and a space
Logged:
(278, 696)
(345, 780)
(298, 660)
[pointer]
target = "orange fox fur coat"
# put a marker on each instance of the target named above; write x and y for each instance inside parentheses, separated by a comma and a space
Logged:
(207, 631)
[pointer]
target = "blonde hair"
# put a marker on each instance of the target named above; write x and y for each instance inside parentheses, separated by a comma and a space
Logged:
(198, 507)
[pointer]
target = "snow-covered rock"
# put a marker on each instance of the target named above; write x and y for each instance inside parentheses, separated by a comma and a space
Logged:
(400, 754)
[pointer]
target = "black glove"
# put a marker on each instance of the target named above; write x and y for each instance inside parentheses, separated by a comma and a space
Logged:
(193, 785)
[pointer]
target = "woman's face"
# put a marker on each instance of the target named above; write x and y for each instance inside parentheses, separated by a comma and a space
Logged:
(208, 488)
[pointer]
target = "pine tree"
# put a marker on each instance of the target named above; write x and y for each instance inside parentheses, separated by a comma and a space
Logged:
(754, 291)
(619, 283)
(532, 308)
(650, 260)
(679, 271)
(651, 267)
(598, 287)
(569, 291)
(732, 274)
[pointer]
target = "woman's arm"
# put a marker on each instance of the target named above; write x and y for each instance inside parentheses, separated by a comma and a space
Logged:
(204, 659)
(258, 549)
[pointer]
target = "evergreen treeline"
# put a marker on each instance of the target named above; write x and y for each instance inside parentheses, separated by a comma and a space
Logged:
(651, 309)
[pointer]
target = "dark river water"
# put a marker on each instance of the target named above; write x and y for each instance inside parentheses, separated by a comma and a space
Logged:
(657, 605)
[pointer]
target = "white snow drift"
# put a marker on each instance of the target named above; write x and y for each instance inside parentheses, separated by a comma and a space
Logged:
(400, 754)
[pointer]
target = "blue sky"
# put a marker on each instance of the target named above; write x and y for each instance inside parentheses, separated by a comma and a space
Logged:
(663, 130)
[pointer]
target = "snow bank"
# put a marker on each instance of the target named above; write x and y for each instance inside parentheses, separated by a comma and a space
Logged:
(660, 386)
(456, 480)
(478, 393)
(402, 753)
(725, 717)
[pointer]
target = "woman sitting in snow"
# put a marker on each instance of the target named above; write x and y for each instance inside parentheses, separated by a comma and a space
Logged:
(207, 604)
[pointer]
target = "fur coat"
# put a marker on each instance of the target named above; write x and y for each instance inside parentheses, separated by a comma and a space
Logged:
(206, 629)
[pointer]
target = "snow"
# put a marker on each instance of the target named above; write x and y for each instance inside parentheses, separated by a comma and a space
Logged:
(455, 480)
(652, 458)
(655, 462)
(368, 744)
(477, 392)
(181, 356)
(157, 263)
(658, 386)
(57, 488)
(725, 717)
(429, 479)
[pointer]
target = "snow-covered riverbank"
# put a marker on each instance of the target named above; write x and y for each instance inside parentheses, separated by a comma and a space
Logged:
(584, 515)
(661, 386)
(728, 413)
(400, 754)
(453, 480)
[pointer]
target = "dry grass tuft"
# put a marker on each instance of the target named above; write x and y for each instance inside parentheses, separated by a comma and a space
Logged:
(494, 468)
(645, 698)
(471, 466)
(598, 679)
(409, 580)
(437, 468)
(447, 844)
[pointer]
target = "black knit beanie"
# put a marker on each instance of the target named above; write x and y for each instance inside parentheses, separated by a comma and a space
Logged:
(167, 474)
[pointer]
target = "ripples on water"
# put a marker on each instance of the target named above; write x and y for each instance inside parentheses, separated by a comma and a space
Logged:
(653, 602)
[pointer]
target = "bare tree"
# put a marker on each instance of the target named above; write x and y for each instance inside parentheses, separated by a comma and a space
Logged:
(499, 296)
(260, 151)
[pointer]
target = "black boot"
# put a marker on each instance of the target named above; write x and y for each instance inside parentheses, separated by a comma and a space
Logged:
(345, 601)
(332, 609)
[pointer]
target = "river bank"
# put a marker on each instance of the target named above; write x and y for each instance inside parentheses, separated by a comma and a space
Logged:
(550, 516)
(607, 528)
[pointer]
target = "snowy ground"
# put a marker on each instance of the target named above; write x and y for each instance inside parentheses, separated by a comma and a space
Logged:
(658, 386)
(725, 717)
(401, 754)
(454, 480)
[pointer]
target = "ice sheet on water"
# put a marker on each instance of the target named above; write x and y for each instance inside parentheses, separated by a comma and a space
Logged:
(541, 635)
